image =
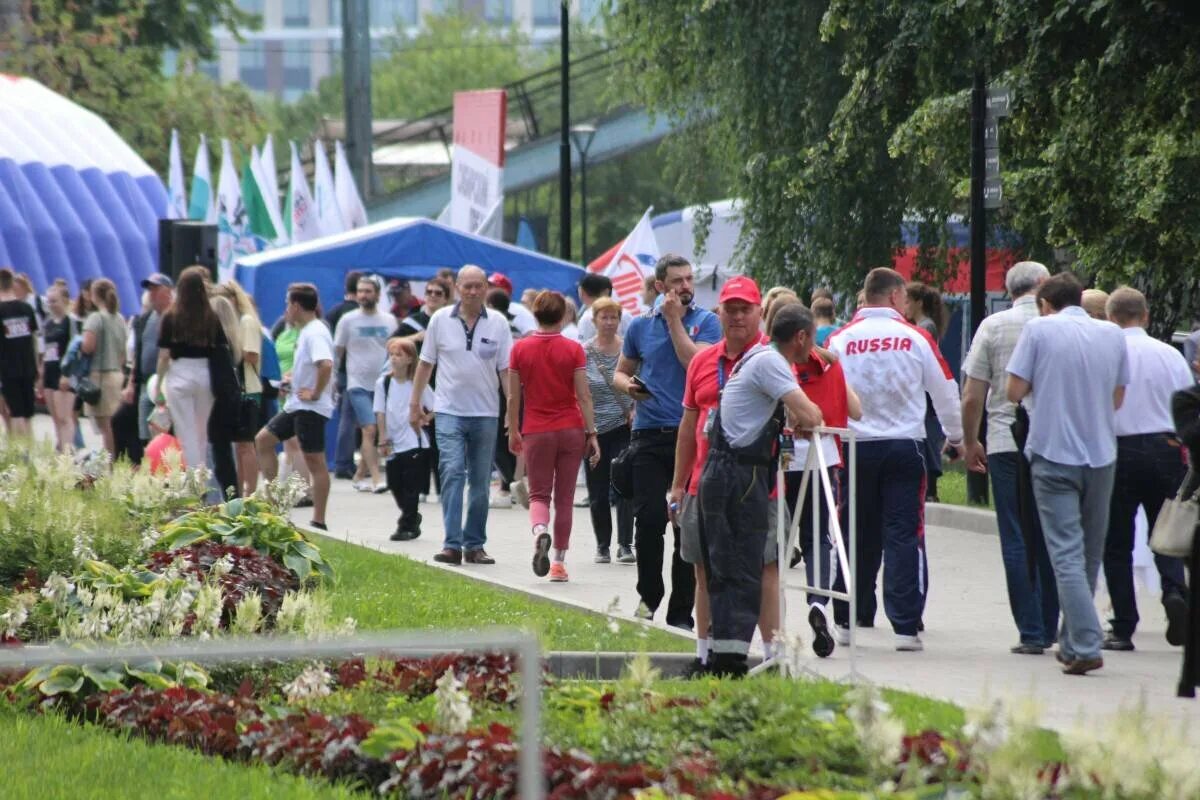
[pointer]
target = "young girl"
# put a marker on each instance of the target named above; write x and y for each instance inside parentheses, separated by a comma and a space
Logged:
(405, 448)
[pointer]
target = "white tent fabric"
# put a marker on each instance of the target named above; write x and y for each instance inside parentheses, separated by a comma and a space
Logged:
(76, 202)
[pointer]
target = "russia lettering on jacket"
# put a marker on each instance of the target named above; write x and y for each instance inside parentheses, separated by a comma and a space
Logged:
(878, 345)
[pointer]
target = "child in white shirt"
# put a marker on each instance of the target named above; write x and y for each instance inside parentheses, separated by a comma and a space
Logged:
(405, 448)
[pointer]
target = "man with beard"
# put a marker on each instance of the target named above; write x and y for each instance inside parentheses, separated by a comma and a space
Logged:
(361, 338)
(652, 370)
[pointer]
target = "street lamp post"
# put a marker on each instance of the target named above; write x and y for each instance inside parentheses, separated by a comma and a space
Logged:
(581, 137)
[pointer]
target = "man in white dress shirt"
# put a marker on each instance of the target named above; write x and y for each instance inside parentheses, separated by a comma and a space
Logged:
(1150, 467)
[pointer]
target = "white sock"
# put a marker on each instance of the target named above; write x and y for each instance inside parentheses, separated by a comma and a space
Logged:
(702, 650)
(770, 650)
(560, 555)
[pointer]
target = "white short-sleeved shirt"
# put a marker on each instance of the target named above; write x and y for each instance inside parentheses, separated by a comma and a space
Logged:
(1073, 364)
(1156, 371)
(395, 411)
(312, 346)
(364, 337)
(468, 383)
(757, 384)
(987, 360)
(522, 319)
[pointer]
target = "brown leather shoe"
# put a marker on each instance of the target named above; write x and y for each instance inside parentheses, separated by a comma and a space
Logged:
(1082, 666)
(449, 556)
(479, 556)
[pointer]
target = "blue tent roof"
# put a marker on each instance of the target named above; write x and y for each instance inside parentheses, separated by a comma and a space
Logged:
(398, 248)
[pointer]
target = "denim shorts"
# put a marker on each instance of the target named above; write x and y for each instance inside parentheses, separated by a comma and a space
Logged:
(363, 403)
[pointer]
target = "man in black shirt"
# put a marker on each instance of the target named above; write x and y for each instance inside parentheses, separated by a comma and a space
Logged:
(343, 459)
(18, 355)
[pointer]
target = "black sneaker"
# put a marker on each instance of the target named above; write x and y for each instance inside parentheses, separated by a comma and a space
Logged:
(818, 619)
(304, 502)
(602, 556)
(727, 665)
(696, 669)
(1027, 649)
(625, 555)
(1117, 643)
(1176, 606)
(406, 533)
(541, 555)
(321, 526)
(344, 474)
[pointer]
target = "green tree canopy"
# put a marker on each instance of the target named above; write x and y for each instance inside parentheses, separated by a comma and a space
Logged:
(844, 117)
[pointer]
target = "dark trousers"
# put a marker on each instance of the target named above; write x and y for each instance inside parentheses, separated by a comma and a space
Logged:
(433, 459)
(1149, 470)
(125, 433)
(220, 439)
(408, 479)
(347, 430)
(599, 482)
(733, 534)
(791, 488)
(1033, 600)
(653, 468)
(506, 462)
(891, 531)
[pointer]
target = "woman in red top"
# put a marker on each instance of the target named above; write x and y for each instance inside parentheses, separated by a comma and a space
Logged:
(547, 374)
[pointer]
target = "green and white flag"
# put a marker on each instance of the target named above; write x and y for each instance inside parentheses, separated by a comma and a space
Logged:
(262, 210)
(329, 216)
(177, 206)
(202, 208)
(300, 213)
(233, 238)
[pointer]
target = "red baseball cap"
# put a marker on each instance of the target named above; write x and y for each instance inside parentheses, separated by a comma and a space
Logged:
(501, 281)
(741, 288)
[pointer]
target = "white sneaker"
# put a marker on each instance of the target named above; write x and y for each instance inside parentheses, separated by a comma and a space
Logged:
(842, 635)
(500, 501)
(363, 486)
(909, 644)
(380, 488)
(519, 492)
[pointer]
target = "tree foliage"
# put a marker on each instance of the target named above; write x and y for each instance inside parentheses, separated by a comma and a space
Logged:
(844, 117)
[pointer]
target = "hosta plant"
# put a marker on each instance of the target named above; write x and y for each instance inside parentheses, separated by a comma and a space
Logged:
(240, 571)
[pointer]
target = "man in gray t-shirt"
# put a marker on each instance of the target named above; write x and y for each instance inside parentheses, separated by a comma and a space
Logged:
(735, 485)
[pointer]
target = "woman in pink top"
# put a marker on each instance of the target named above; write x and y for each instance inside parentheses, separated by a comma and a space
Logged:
(547, 375)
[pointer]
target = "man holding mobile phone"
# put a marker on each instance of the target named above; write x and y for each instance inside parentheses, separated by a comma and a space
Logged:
(657, 350)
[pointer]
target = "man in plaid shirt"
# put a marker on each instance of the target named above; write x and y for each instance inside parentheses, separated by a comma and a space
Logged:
(1034, 601)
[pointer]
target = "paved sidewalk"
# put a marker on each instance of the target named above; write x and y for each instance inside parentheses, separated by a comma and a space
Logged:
(968, 626)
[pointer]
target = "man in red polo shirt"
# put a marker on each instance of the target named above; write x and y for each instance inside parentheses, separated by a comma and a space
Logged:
(824, 382)
(741, 314)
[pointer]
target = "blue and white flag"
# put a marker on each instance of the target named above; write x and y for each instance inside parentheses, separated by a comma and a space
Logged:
(177, 206)
(202, 208)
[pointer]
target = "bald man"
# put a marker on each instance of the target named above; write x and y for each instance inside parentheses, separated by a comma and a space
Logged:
(1095, 303)
(470, 346)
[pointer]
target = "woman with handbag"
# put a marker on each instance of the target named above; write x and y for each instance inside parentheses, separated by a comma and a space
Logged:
(250, 338)
(612, 410)
(104, 336)
(225, 418)
(1185, 409)
(187, 338)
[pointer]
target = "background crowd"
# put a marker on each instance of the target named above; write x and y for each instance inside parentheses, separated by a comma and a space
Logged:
(468, 382)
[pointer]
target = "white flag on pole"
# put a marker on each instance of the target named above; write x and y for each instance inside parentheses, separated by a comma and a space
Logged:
(492, 226)
(300, 214)
(177, 207)
(329, 217)
(444, 215)
(202, 207)
(266, 157)
(231, 215)
(269, 195)
(354, 214)
(632, 262)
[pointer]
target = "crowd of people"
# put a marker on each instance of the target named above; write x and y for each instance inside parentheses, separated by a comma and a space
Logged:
(677, 417)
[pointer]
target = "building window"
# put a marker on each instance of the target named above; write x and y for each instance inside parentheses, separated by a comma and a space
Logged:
(252, 66)
(335, 13)
(393, 13)
(546, 12)
(495, 11)
(252, 6)
(297, 67)
(295, 13)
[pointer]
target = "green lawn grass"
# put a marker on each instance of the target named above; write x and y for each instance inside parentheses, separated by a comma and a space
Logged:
(51, 757)
(383, 591)
(952, 487)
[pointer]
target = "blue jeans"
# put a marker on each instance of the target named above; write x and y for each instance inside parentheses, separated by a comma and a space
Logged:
(465, 447)
(1033, 599)
(343, 460)
(1073, 506)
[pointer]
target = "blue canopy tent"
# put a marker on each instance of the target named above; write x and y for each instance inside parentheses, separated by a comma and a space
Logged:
(397, 248)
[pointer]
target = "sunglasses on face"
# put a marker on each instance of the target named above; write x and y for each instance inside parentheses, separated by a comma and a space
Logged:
(435, 293)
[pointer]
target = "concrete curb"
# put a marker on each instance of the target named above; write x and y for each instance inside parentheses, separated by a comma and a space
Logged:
(608, 666)
(975, 520)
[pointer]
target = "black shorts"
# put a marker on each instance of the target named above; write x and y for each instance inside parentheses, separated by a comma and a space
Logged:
(250, 426)
(18, 396)
(307, 426)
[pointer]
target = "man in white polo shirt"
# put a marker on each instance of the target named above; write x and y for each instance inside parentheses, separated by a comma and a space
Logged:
(1150, 467)
(470, 347)
(1071, 371)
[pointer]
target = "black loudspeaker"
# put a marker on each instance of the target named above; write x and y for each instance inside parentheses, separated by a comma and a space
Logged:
(165, 261)
(193, 243)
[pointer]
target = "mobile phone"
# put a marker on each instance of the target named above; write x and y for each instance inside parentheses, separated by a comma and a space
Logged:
(640, 384)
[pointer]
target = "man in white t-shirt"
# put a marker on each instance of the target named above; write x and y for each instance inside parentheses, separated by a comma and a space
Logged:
(361, 337)
(470, 346)
(310, 399)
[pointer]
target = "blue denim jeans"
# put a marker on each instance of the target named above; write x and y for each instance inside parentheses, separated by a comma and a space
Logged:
(1033, 600)
(343, 460)
(465, 448)
(1073, 506)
